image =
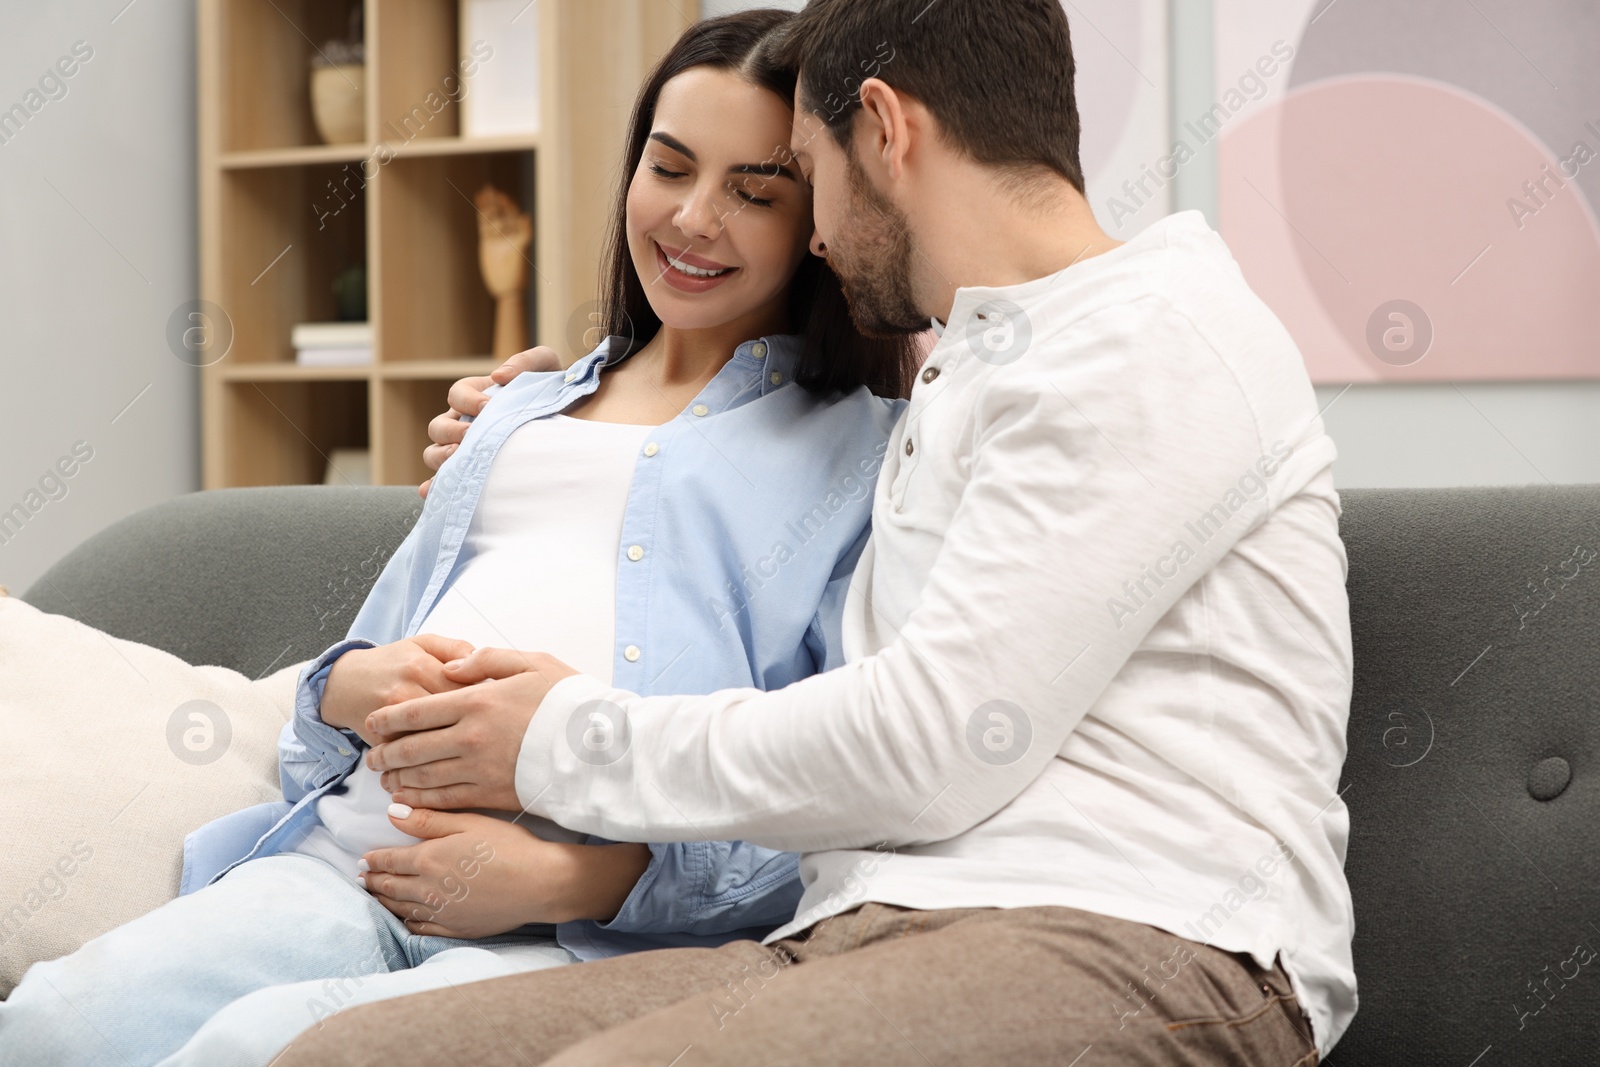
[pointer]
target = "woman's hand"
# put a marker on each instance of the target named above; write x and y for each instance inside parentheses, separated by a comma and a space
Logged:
(467, 398)
(475, 876)
(366, 679)
(460, 749)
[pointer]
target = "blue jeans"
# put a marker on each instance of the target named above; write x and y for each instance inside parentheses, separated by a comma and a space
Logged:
(230, 974)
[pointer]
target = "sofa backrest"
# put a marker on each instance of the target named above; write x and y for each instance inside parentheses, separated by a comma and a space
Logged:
(251, 579)
(1471, 774)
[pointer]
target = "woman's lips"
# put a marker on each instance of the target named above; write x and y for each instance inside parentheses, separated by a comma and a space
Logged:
(683, 256)
(690, 283)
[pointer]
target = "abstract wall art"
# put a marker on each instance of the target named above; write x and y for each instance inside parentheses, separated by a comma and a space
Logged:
(1413, 187)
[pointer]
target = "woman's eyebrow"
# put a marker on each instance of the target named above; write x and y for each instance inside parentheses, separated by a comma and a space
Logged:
(674, 144)
(772, 169)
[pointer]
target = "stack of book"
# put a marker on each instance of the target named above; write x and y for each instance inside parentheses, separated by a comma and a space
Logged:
(348, 466)
(332, 344)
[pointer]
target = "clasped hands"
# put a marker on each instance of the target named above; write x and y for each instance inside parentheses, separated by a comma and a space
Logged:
(444, 723)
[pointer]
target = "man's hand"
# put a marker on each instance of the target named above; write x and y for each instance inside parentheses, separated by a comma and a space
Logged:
(475, 876)
(467, 398)
(461, 746)
(365, 679)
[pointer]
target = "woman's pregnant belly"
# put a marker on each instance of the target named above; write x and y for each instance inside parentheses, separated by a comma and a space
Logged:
(536, 572)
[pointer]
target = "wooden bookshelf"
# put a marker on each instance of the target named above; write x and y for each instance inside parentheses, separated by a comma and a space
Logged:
(282, 213)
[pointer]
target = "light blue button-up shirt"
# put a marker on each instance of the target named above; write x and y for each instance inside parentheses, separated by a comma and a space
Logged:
(752, 505)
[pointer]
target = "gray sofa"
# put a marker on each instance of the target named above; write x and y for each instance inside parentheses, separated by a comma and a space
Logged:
(1471, 776)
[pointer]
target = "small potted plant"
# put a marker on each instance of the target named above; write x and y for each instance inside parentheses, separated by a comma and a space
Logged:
(339, 87)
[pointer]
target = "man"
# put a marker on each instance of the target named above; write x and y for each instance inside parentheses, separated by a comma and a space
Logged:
(1076, 790)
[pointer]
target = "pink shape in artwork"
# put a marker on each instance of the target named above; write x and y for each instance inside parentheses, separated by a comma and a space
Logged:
(1353, 194)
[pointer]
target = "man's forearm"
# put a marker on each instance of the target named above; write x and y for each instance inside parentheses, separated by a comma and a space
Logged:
(715, 772)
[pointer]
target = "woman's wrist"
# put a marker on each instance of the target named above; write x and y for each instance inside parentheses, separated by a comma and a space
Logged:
(332, 710)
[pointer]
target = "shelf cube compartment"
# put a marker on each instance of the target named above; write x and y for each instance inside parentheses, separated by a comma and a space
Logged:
(269, 48)
(286, 234)
(283, 433)
(431, 296)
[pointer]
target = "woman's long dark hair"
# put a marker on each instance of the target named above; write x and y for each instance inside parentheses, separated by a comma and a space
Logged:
(835, 356)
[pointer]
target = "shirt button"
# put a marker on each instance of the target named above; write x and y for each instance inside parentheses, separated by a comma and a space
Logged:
(569, 378)
(344, 752)
(651, 449)
(701, 409)
(635, 553)
(759, 350)
(776, 378)
(909, 448)
(631, 653)
(930, 374)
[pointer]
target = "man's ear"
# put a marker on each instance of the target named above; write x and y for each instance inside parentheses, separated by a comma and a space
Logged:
(884, 126)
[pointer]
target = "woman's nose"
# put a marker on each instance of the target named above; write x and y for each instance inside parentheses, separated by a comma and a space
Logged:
(699, 216)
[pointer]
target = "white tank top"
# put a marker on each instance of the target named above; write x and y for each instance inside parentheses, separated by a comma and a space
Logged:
(537, 572)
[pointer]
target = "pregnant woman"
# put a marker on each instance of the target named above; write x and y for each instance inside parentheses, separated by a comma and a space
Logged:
(679, 511)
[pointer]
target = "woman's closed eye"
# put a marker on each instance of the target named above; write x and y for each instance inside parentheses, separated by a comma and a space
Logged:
(750, 198)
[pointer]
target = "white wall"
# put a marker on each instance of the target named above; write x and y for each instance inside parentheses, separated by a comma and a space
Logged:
(1472, 433)
(97, 247)
(713, 8)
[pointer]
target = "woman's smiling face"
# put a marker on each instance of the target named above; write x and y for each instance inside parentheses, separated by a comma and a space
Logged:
(718, 216)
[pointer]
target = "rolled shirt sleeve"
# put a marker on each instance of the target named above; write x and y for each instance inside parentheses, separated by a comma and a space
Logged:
(710, 888)
(310, 752)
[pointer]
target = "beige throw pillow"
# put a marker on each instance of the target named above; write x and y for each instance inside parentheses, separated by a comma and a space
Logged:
(112, 752)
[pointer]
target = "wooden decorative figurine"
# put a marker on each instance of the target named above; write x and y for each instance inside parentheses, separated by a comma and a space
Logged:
(504, 234)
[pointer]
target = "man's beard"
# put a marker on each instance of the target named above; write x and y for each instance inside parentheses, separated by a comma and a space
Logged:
(873, 262)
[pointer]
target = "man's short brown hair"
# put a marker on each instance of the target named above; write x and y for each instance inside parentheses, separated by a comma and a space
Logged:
(997, 74)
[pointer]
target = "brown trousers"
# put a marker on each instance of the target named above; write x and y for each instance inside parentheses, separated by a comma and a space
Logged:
(879, 985)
